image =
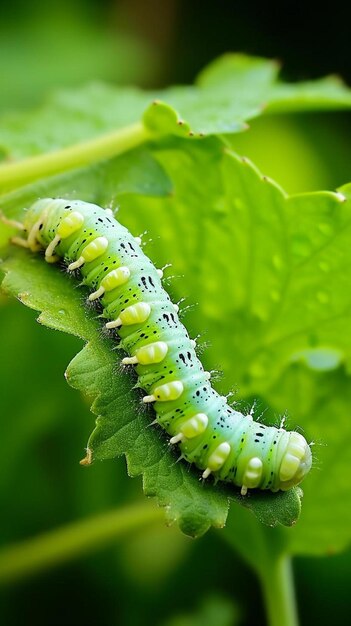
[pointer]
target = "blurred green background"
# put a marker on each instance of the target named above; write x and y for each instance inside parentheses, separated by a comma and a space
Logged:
(46, 46)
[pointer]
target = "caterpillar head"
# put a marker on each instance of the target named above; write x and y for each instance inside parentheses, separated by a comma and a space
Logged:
(296, 462)
(34, 213)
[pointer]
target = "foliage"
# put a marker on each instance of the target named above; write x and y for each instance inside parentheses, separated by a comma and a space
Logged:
(265, 270)
(227, 94)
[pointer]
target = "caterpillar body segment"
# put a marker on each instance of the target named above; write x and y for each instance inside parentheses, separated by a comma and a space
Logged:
(212, 435)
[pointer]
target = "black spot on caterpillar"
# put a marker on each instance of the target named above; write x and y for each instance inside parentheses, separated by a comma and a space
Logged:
(211, 434)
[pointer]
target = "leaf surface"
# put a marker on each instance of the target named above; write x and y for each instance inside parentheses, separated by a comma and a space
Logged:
(231, 91)
(122, 427)
(270, 273)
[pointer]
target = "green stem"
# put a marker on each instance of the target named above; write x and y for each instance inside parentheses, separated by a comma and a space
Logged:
(13, 175)
(58, 546)
(279, 594)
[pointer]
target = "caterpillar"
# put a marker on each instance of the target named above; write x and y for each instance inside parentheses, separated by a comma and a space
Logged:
(211, 434)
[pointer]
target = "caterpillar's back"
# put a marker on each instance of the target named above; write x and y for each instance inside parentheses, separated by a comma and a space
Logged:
(213, 436)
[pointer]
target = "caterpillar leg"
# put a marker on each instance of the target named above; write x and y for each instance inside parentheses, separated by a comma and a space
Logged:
(9, 222)
(193, 427)
(113, 279)
(50, 257)
(33, 243)
(18, 241)
(133, 314)
(149, 354)
(252, 475)
(92, 251)
(69, 225)
(166, 392)
(217, 459)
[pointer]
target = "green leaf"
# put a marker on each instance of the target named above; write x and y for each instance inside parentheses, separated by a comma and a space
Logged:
(70, 116)
(269, 275)
(322, 399)
(161, 119)
(257, 79)
(265, 310)
(135, 172)
(281, 249)
(228, 93)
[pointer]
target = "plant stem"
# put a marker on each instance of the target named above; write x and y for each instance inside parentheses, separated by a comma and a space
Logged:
(13, 175)
(76, 539)
(278, 591)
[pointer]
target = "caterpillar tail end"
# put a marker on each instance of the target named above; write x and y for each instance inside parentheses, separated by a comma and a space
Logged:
(296, 462)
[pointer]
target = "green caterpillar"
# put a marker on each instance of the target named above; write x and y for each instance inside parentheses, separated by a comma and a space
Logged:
(211, 434)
